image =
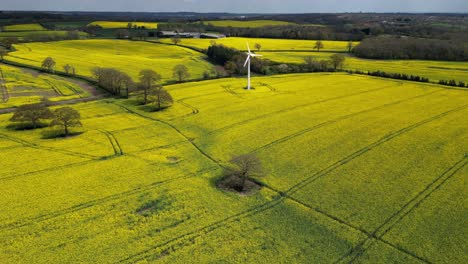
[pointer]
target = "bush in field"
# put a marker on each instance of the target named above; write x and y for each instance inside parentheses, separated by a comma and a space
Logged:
(66, 117)
(31, 114)
(180, 72)
(48, 64)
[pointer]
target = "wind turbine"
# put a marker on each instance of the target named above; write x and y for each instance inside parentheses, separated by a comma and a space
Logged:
(247, 62)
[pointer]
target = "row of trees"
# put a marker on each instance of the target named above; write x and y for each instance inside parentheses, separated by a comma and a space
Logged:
(392, 47)
(30, 116)
(233, 61)
(39, 36)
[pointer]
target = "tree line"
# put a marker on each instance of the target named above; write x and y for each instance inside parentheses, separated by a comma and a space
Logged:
(233, 62)
(32, 116)
(393, 47)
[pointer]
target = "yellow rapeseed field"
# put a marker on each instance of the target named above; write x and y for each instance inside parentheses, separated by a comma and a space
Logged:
(124, 55)
(354, 168)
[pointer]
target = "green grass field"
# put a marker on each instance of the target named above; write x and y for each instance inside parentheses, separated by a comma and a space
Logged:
(359, 168)
(114, 24)
(267, 44)
(28, 86)
(435, 70)
(246, 24)
(127, 56)
(24, 27)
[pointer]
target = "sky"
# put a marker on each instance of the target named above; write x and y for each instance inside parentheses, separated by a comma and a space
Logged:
(240, 6)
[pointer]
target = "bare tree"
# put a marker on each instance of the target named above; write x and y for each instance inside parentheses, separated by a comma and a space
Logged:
(176, 40)
(181, 72)
(66, 117)
(148, 79)
(31, 113)
(318, 45)
(115, 81)
(48, 64)
(247, 166)
(258, 46)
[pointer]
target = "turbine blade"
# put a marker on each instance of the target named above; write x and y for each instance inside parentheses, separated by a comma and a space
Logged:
(248, 48)
(247, 60)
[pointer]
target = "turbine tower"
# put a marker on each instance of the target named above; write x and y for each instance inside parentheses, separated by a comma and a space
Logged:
(247, 62)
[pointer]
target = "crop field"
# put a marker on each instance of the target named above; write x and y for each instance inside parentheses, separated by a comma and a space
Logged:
(24, 27)
(127, 56)
(28, 86)
(113, 24)
(22, 34)
(355, 167)
(247, 24)
(434, 70)
(267, 44)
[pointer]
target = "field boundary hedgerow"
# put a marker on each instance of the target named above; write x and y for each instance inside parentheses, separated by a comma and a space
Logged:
(283, 195)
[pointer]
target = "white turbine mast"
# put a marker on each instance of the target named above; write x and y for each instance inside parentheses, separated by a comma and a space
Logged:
(250, 55)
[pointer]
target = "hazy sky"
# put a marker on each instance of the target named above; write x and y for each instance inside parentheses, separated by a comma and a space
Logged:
(241, 6)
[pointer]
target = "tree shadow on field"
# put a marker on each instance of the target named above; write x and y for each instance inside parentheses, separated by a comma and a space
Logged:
(55, 134)
(26, 126)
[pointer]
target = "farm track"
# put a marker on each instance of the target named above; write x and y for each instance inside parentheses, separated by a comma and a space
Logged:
(82, 206)
(36, 146)
(56, 90)
(180, 240)
(406, 209)
(341, 118)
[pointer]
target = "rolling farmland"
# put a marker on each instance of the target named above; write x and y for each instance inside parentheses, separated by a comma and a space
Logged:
(434, 70)
(26, 86)
(267, 44)
(34, 34)
(128, 56)
(343, 156)
(113, 24)
(24, 27)
(247, 24)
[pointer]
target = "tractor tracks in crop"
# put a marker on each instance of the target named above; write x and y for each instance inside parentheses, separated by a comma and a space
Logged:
(113, 141)
(296, 107)
(181, 239)
(336, 120)
(82, 206)
(190, 140)
(195, 110)
(36, 146)
(405, 210)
